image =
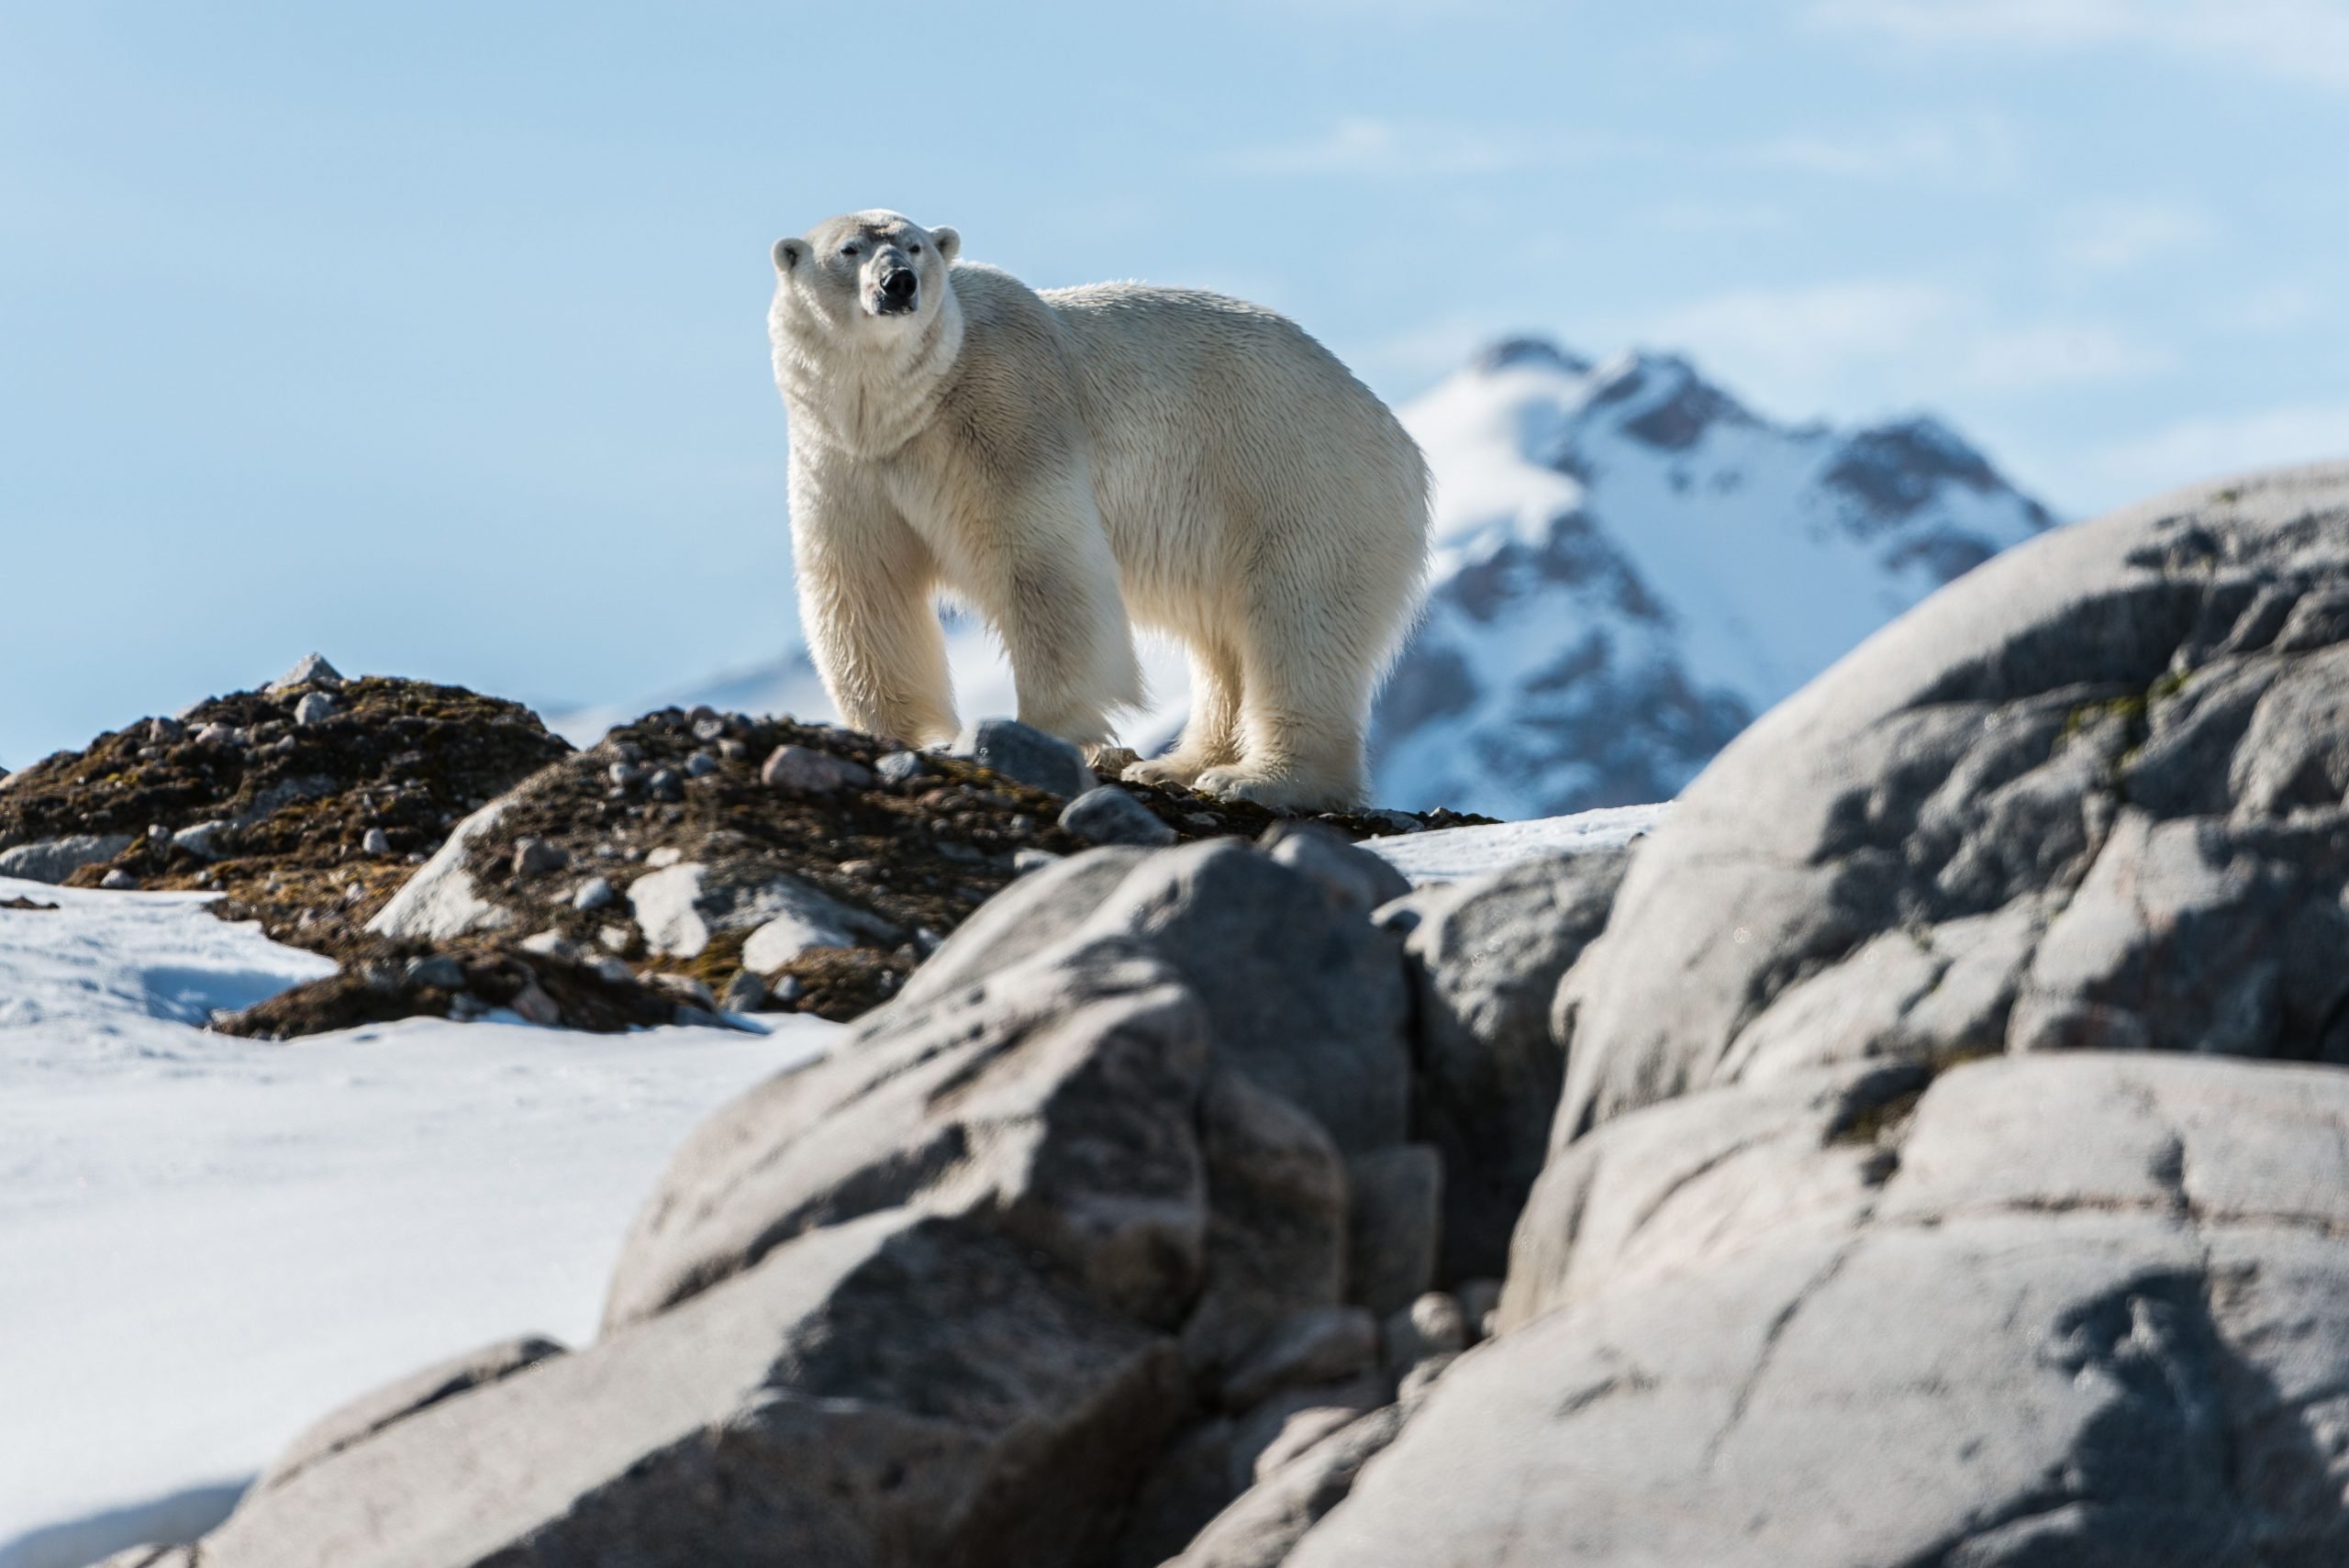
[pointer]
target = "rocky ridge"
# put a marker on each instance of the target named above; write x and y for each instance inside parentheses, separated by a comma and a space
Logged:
(456, 859)
(1949, 1169)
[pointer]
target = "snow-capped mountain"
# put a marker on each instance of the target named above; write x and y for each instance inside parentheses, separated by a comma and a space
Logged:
(1630, 567)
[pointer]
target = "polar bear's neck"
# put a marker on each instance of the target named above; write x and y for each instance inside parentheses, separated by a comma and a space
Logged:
(867, 393)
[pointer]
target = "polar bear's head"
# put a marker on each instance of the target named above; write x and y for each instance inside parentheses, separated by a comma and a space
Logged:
(877, 272)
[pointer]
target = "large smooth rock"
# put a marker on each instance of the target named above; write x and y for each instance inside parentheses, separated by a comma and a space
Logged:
(1487, 956)
(1059, 1100)
(2091, 793)
(2070, 1309)
(54, 860)
(1307, 998)
(679, 908)
(442, 902)
(371, 1412)
(894, 1390)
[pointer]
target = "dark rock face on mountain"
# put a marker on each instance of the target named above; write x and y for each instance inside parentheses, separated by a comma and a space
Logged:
(1630, 565)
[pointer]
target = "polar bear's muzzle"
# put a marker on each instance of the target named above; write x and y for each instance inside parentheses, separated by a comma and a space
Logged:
(899, 292)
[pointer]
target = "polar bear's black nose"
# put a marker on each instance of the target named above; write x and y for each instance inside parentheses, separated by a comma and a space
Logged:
(899, 286)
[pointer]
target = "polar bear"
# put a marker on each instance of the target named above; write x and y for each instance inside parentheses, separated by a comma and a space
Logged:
(1072, 461)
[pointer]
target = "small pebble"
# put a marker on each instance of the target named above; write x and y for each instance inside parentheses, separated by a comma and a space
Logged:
(616, 937)
(1479, 1299)
(701, 764)
(313, 670)
(158, 836)
(163, 731)
(734, 751)
(859, 868)
(707, 730)
(551, 944)
(536, 1006)
(898, 767)
(623, 774)
(1025, 860)
(1202, 819)
(119, 881)
(440, 972)
(787, 990)
(613, 970)
(376, 842)
(594, 893)
(315, 708)
(219, 735)
(534, 857)
(666, 855)
(664, 784)
(803, 770)
(685, 987)
(746, 992)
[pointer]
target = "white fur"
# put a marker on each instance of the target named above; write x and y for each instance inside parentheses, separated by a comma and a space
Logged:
(1064, 461)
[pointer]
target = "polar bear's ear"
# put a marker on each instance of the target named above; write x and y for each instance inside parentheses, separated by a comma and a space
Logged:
(789, 253)
(948, 243)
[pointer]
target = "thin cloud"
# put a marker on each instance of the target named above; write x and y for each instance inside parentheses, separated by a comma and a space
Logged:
(2299, 40)
(2059, 353)
(2114, 237)
(1384, 149)
(1870, 340)
(1977, 150)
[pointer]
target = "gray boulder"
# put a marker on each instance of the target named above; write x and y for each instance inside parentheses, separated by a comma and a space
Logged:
(1486, 957)
(1310, 1004)
(1108, 814)
(680, 907)
(2090, 794)
(1394, 1221)
(897, 1389)
(2075, 1308)
(54, 860)
(1059, 1102)
(1354, 879)
(1026, 754)
(1276, 1223)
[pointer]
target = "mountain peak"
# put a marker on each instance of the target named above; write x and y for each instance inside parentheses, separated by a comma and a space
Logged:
(1529, 349)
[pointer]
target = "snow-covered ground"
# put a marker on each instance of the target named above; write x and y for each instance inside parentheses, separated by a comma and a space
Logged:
(206, 1243)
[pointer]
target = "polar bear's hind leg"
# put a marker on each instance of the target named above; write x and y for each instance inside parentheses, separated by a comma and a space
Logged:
(1211, 737)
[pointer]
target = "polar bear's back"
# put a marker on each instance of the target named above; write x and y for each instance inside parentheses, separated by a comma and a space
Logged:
(1221, 426)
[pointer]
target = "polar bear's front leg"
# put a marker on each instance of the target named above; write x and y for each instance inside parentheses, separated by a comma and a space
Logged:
(864, 584)
(1050, 588)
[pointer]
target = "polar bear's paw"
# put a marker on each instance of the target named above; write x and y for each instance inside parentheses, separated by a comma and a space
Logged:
(1173, 771)
(1282, 791)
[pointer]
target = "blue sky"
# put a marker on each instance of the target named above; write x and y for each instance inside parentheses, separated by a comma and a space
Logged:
(430, 335)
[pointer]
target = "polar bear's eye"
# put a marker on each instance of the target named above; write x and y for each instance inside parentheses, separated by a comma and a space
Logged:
(914, 249)
(848, 250)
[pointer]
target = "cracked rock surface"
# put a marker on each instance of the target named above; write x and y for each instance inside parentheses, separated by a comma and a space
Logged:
(2072, 1308)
